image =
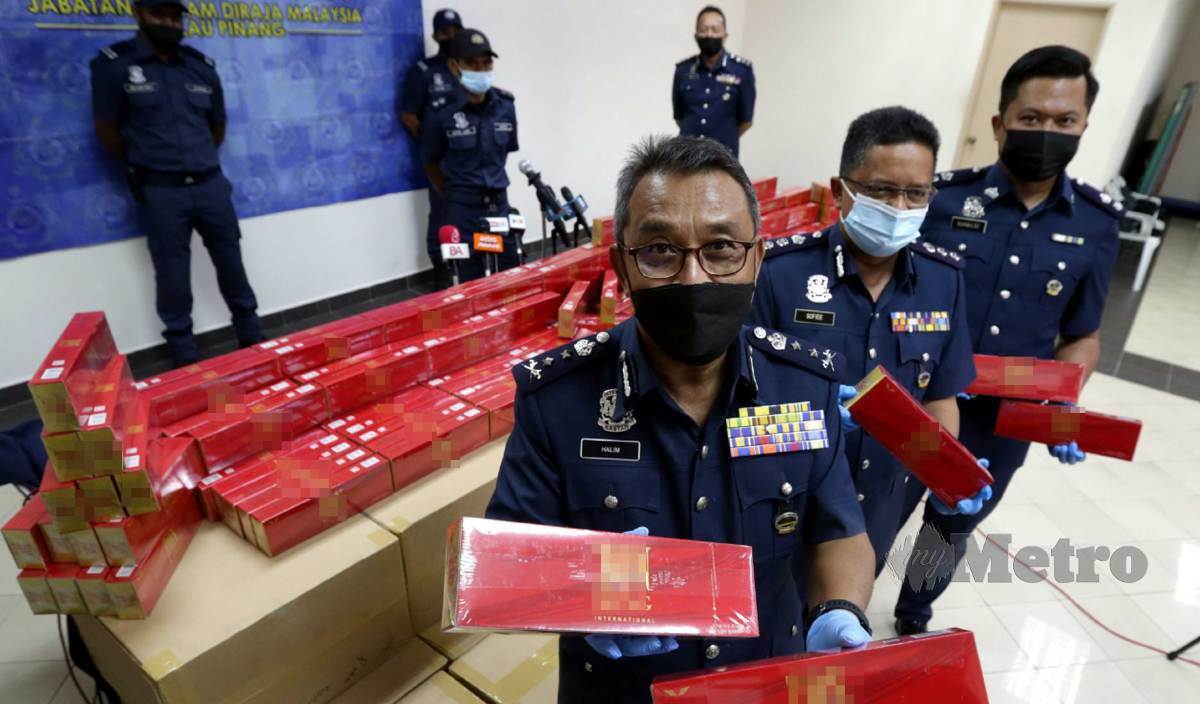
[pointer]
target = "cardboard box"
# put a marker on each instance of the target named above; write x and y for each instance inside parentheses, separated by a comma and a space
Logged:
(92, 585)
(419, 515)
(505, 576)
(127, 541)
(414, 663)
(84, 346)
(441, 689)
(236, 626)
(37, 592)
(914, 437)
(25, 541)
(1053, 424)
(1027, 378)
(86, 546)
(61, 579)
(941, 666)
(512, 668)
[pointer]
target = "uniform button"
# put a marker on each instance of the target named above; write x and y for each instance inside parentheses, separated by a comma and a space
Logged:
(1014, 260)
(1062, 266)
(995, 329)
(1024, 224)
(860, 498)
(704, 452)
(706, 106)
(610, 501)
(906, 478)
(712, 651)
(1005, 293)
(866, 464)
(487, 199)
(876, 316)
(706, 90)
(962, 246)
(703, 121)
(701, 503)
(794, 630)
(786, 489)
(871, 353)
(587, 666)
(924, 356)
(760, 333)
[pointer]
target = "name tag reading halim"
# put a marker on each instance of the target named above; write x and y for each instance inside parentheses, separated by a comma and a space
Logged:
(606, 449)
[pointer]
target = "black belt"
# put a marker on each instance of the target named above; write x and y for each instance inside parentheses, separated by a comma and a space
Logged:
(174, 179)
(476, 196)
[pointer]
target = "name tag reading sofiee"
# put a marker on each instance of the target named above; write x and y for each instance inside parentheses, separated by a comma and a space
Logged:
(605, 449)
(814, 317)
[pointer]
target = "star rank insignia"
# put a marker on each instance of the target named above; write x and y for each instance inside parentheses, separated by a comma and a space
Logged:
(796, 345)
(548, 361)
(991, 192)
(566, 354)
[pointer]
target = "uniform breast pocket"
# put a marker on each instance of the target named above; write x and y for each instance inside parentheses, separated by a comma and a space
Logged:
(1056, 273)
(771, 495)
(920, 354)
(200, 98)
(603, 496)
(148, 106)
(502, 133)
(460, 141)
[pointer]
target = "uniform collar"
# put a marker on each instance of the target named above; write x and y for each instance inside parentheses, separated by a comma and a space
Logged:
(996, 185)
(636, 378)
(835, 245)
(142, 50)
(700, 65)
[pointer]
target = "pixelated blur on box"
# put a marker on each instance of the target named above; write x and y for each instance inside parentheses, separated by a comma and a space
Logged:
(902, 425)
(940, 666)
(1027, 378)
(1053, 424)
(504, 576)
(83, 349)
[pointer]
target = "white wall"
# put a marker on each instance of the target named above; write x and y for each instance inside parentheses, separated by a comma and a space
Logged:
(820, 65)
(1183, 177)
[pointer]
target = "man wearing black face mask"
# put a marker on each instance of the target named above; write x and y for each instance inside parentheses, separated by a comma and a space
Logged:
(159, 108)
(713, 92)
(1039, 250)
(687, 424)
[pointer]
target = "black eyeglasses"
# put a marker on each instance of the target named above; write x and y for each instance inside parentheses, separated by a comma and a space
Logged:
(918, 196)
(661, 260)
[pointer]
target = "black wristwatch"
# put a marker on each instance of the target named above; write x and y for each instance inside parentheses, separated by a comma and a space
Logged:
(826, 606)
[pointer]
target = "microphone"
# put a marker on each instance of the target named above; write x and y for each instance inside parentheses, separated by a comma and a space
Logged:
(578, 206)
(546, 199)
(516, 225)
(448, 234)
(453, 249)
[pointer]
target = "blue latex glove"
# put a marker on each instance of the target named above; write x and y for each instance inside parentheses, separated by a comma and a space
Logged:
(1068, 453)
(845, 393)
(615, 647)
(835, 630)
(965, 507)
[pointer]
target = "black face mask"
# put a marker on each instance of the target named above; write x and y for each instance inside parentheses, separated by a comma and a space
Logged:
(162, 37)
(1036, 155)
(709, 46)
(443, 47)
(693, 323)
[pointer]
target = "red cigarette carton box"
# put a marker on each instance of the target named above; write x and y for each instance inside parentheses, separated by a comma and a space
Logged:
(400, 320)
(24, 539)
(795, 196)
(84, 346)
(1027, 378)
(135, 589)
(942, 666)
(567, 309)
(94, 590)
(57, 543)
(111, 403)
(86, 546)
(522, 577)
(126, 541)
(898, 422)
(66, 453)
(37, 591)
(212, 387)
(610, 295)
(157, 470)
(297, 353)
(764, 188)
(1052, 424)
(100, 498)
(63, 502)
(61, 579)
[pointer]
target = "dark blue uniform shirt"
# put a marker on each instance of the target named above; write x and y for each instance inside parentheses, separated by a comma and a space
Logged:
(166, 110)
(714, 102)
(1031, 275)
(599, 444)
(809, 287)
(471, 142)
(428, 81)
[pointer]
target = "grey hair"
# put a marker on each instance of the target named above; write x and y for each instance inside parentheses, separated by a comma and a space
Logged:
(677, 155)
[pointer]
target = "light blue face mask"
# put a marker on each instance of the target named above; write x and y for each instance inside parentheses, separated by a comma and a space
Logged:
(477, 82)
(879, 229)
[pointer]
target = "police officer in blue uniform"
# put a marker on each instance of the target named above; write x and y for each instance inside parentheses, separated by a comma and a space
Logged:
(713, 92)
(429, 85)
(159, 108)
(639, 428)
(868, 287)
(465, 144)
(1039, 249)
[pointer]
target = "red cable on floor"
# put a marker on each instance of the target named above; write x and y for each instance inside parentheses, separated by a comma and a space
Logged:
(1079, 606)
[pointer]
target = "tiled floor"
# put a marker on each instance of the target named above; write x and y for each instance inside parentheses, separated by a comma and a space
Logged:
(1167, 327)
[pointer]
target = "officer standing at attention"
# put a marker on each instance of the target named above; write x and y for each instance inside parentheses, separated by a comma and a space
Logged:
(428, 86)
(1039, 249)
(867, 287)
(713, 92)
(466, 142)
(662, 423)
(159, 108)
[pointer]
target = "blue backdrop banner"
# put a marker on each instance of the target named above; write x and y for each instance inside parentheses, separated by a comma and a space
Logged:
(310, 89)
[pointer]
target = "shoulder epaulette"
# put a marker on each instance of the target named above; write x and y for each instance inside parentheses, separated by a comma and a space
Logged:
(794, 243)
(197, 54)
(1098, 198)
(115, 51)
(936, 253)
(817, 359)
(505, 94)
(741, 60)
(538, 371)
(954, 178)
(687, 60)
